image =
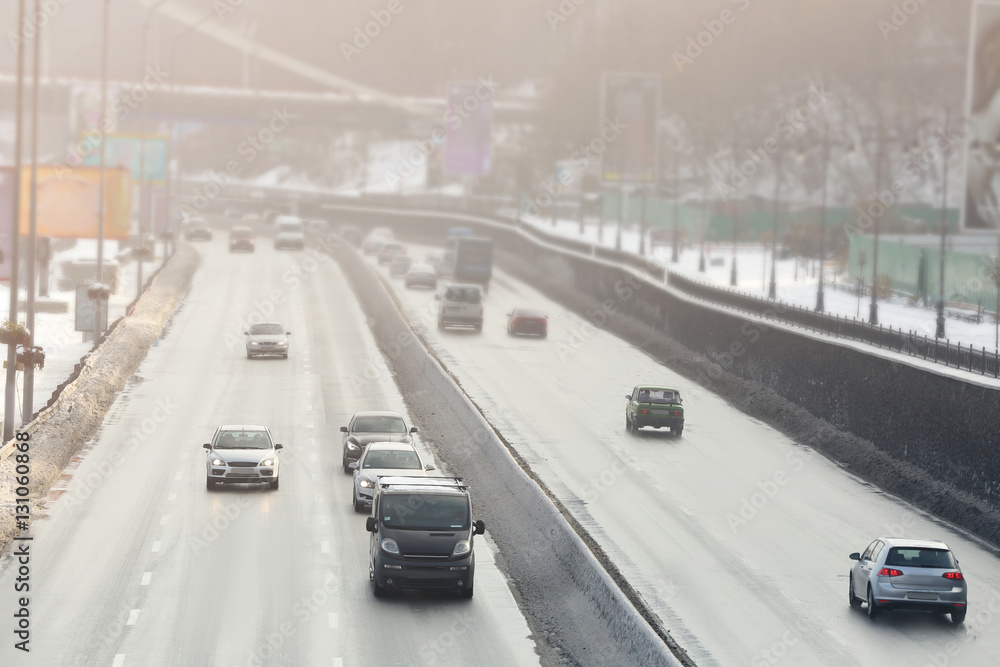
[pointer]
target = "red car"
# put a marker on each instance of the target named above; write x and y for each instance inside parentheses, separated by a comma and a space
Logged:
(527, 321)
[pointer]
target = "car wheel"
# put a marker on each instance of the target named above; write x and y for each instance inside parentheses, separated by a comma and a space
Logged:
(209, 484)
(544, 334)
(274, 484)
(467, 592)
(958, 617)
(854, 599)
(284, 356)
(628, 424)
(872, 609)
(358, 505)
(678, 430)
(344, 462)
(379, 591)
(479, 327)
(249, 356)
(440, 324)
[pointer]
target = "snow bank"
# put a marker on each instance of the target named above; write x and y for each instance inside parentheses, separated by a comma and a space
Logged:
(63, 428)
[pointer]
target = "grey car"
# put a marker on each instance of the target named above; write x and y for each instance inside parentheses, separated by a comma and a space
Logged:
(383, 458)
(372, 426)
(267, 338)
(917, 575)
(242, 454)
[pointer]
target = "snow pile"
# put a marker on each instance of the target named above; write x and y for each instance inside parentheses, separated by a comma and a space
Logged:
(62, 429)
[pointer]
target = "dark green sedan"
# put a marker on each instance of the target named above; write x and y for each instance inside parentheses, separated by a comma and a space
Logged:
(656, 406)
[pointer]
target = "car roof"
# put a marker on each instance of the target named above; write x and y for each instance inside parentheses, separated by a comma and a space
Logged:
(659, 387)
(255, 324)
(914, 543)
(421, 267)
(479, 287)
(242, 229)
(400, 483)
(377, 413)
(390, 446)
(242, 427)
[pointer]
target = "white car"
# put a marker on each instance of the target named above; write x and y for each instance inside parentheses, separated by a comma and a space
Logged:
(289, 232)
(460, 304)
(383, 458)
(242, 454)
(267, 338)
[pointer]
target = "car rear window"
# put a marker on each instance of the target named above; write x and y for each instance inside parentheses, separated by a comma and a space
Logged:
(379, 425)
(528, 312)
(463, 294)
(917, 557)
(658, 396)
(425, 511)
(395, 459)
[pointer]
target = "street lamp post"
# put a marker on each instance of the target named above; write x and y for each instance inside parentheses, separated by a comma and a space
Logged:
(939, 333)
(674, 254)
(822, 214)
(879, 141)
(10, 396)
(772, 289)
(28, 406)
(143, 176)
(103, 157)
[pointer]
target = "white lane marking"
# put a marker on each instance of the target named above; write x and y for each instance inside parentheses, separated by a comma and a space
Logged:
(331, 617)
(320, 520)
(119, 657)
(312, 457)
(324, 547)
(133, 615)
(309, 425)
(785, 593)
(830, 632)
(317, 497)
(156, 547)
(146, 576)
(315, 475)
(309, 441)
(178, 475)
(655, 486)
(337, 662)
(166, 517)
(309, 408)
(686, 510)
(172, 496)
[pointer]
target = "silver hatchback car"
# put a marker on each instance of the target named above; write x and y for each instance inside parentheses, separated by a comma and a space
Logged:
(918, 575)
(242, 454)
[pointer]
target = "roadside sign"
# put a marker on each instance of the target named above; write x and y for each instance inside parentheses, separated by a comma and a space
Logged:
(630, 108)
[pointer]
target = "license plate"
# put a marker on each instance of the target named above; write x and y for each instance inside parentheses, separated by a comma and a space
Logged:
(244, 473)
(921, 596)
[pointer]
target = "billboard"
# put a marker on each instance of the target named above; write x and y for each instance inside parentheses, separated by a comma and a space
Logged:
(982, 182)
(68, 202)
(6, 220)
(630, 109)
(468, 121)
(124, 151)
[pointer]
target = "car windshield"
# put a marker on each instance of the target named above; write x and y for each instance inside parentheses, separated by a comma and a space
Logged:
(242, 440)
(395, 459)
(528, 312)
(658, 396)
(917, 557)
(425, 511)
(266, 329)
(241, 233)
(379, 425)
(462, 294)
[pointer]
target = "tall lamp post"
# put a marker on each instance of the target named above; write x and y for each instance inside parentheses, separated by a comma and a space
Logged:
(98, 328)
(820, 306)
(939, 333)
(879, 141)
(10, 396)
(143, 176)
(772, 289)
(28, 406)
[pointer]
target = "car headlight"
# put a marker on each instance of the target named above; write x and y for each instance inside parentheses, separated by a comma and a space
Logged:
(267, 462)
(462, 547)
(218, 462)
(253, 342)
(366, 483)
(282, 343)
(389, 546)
(352, 446)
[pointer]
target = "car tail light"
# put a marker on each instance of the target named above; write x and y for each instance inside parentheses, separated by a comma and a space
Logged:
(889, 572)
(642, 411)
(953, 575)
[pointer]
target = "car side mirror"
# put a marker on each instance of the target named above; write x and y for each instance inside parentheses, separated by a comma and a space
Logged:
(628, 397)
(370, 524)
(353, 465)
(343, 429)
(509, 314)
(431, 467)
(855, 556)
(478, 527)
(437, 297)
(206, 446)
(413, 429)
(288, 333)
(246, 333)
(279, 446)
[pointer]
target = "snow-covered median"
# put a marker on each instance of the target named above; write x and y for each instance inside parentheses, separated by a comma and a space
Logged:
(63, 428)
